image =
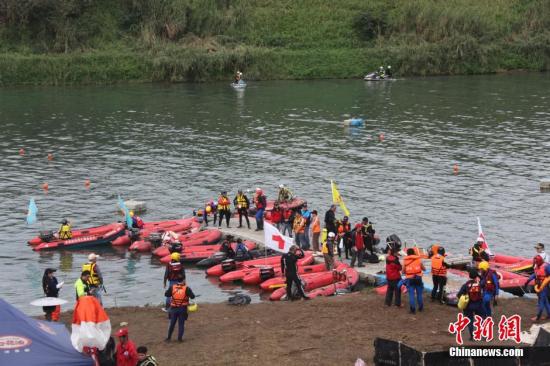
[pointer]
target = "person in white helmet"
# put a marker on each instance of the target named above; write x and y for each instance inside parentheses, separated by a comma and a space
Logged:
(285, 195)
(328, 250)
(95, 282)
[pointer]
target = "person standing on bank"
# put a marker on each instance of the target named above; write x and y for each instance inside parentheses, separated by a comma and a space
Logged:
(261, 202)
(358, 246)
(51, 289)
(95, 282)
(315, 230)
(242, 203)
(393, 276)
(439, 274)
(223, 209)
(81, 285)
(289, 267)
(368, 235)
(330, 220)
(180, 294)
(412, 270)
(328, 251)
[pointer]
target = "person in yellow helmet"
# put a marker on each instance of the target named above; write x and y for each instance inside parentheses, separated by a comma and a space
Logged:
(65, 232)
(490, 286)
(174, 270)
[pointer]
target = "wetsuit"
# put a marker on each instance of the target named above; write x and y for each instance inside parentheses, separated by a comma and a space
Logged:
(289, 266)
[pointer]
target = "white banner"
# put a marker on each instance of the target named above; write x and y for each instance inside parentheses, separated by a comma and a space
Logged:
(275, 240)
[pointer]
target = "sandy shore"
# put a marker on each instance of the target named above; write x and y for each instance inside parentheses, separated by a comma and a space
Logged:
(323, 331)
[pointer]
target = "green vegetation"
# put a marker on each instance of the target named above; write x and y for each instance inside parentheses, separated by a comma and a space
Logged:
(101, 41)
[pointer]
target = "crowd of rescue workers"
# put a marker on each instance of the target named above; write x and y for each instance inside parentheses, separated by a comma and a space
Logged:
(331, 237)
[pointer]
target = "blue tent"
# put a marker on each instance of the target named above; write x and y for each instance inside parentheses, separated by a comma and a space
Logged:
(25, 341)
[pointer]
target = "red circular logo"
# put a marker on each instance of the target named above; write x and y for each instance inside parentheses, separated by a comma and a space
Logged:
(13, 342)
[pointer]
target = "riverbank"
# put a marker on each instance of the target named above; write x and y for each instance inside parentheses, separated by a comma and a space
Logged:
(147, 41)
(323, 331)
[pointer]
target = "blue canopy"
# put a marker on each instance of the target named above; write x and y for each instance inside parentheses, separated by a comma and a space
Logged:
(27, 341)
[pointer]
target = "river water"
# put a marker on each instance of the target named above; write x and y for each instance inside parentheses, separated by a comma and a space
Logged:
(173, 146)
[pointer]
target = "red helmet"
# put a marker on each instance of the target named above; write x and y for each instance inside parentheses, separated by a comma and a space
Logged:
(538, 261)
(122, 332)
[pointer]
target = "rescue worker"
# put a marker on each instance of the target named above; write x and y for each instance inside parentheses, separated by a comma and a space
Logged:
(472, 288)
(211, 208)
(478, 253)
(540, 251)
(126, 354)
(344, 235)
(137, 222)
(439, 274)
(433, 250)
(330, 220)
(381, 73)
(284, 195)
(299, 227)
(179, 293)
(238, 76)
(306, 214)
(393, 276)
(224, 209)
(261, 202)
(242, 203)
(226, 248)
(289, 267)
(490, 286)
(173, 272)
(277, 216)
(368, 235)
(412, 269)
(540, 274)
(95, 282)
(145, 359)
(328, 251)
(288, 221)
(51, 289)
(358, 249)
(65, 230)
(81, 285)
(315, 230)
(241, 251)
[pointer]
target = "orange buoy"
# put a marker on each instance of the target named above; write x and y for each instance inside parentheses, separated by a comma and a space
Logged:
(455, 169)
(50, 156)
(21, 151)
(45, 186)
(87, 183)
(381, 137)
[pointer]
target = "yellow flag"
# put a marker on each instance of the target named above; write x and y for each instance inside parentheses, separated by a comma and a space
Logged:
(337, 199)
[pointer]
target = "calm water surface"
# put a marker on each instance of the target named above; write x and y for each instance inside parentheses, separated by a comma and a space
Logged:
(173, 146)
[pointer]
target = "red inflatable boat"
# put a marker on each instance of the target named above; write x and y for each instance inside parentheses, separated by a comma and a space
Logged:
(46, 237)
(280, 281)
(200, 252)
(191, 240)
(220, 269)
(255, 277)
(295, 203)
(350, 279)
(84, 241)
(511, 263)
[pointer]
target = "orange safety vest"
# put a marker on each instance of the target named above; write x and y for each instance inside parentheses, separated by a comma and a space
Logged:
(316, 227)
(179, 296)
(344, 228)
(223, 203)
(438, 269)
(413, 266)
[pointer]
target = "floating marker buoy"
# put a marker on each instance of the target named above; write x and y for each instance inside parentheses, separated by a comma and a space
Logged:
(381, 137)
(455, 169)
(21, 151)
(45, 186)
(87, 183)
(50, 156)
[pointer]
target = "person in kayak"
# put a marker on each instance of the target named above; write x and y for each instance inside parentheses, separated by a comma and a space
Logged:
(330, 220)
(81, 285)
(540, 274)
(289, 267)
(478, 253)
(241, 251)
(540, 252)
(51, 289)
(388, 71)
(260, 201)
(490, 286)
(95, 283)
(284, 195)
(173, 272)
(328, 251)
(224, 209)
(65, 231)
(179, 293)
(439, 274)
(412, 269)
(242, 203)
(472, 288)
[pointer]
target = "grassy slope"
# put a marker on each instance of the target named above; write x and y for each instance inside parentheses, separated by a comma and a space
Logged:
(302, 39)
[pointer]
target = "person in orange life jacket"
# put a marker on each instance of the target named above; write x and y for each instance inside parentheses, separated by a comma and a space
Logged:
(358, 249)
(51, 289)
(261, 202)
(490, 286)
(241, 251)
(277, 216)
(180, 295)
(242, 203)
(412, 269)
(433, 250)
(173, 272)
(289, 267)
(439, 274)
(344, 235)
(478, 253)
(368, 235)
(299, 227)
(539, 275)
(315, 230)
(393, 276)
(472, 288)
(211, 208)
(288, 221)
(223, 208)
(126, 354)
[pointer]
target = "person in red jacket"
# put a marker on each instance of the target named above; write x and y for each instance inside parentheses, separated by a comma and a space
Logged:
(277, 216)
(358, 246)
(126, 354)
(393, 276)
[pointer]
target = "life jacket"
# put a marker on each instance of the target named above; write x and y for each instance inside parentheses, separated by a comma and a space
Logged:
(476, 254)
(223, 203)
(299, 224)
(259, 201)
(179, 296)
(324, 248)
(174, 270)
(438, 269)
(344, 228)
(241, 201)
(94, 277)
(65, 232)
(474, 291)
(490, 285)
(139, 222)
(540, 275)
(413, 266)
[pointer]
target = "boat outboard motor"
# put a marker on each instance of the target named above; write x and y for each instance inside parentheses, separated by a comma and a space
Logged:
(393, 242)
(155, 239)
(46, 236)
(175, 247)
(267, 273)
(229, 265)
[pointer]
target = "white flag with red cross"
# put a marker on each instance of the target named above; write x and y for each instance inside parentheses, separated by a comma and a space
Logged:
(275, 240)
(481, 238)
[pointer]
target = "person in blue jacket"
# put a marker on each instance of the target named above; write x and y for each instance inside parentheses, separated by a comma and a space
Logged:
(490, 286)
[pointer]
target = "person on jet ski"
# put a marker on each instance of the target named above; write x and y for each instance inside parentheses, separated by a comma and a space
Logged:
(226, 247)
(238, 77)
(388, 71)
(241, 251)
(381, 72)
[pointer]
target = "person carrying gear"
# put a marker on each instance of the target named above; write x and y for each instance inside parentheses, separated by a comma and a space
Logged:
(393, 276)
(358, 246)
(242, 203)
(285, 195)
(478, 253)
(260, 201)
(489, 284)
(211, 208)
(65, 232)
(412, 269)
(344, 235)
(179, 293)
(368, 235)
(439, 274)
(95, 282)
(173, 272)
(541, 272)
(241, 251)
(289, 267)
(223, 209)
(328, 251)
(472, 289)
(81, 285)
